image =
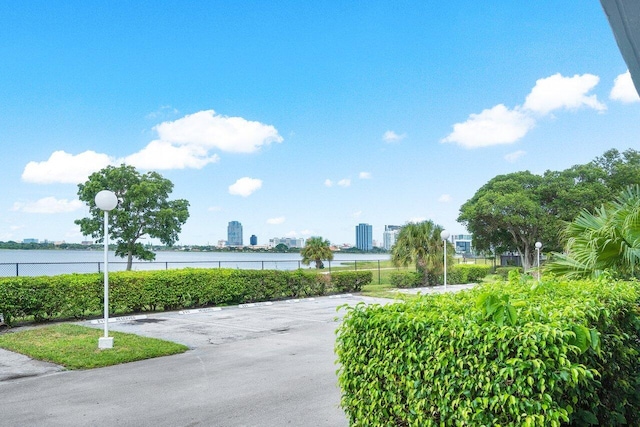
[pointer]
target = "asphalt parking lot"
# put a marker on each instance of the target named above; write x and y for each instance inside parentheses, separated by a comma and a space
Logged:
(264, 364)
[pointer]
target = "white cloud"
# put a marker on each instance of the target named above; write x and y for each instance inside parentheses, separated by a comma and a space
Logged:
(183, 143)
(292, 234)
(328, 182)
(275, 221)
(48, 205)
(623, 89)
(210, 130)
(164, 155)
(357, 214)
(245, 186)
(163, 111)
(365, 175)
(214, 209)
(62, 167)
(307, 232)
(445, 198)
(498, 125)
(344, 182)
(417, 219)
(512, 157)
(391, 136)
(556, 92)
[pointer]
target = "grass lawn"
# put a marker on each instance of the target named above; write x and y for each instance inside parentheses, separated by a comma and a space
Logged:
(76, 347)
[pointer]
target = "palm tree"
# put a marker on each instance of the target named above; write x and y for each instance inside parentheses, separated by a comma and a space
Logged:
(607, 240)
(316, 249)
(420, 244)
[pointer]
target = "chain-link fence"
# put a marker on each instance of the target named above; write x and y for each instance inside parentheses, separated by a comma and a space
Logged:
(56, 268)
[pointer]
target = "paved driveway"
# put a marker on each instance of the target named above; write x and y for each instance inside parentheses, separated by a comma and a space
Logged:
(267, 364)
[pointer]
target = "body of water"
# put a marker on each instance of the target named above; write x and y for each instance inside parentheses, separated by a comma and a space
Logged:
(52, 262)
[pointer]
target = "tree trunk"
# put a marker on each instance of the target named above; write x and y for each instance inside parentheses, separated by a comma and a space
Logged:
(129, 260)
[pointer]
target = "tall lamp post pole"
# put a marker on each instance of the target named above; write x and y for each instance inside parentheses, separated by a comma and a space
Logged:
(106, 201)
(444, 235)
(538, 247)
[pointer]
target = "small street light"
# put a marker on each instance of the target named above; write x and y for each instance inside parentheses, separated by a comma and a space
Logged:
(106, 200)
(444, 235)
(538, 247)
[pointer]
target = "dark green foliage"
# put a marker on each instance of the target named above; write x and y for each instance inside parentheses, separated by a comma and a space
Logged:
(144, 210)
(78, 295)
(467, 273)
(460, 274)
(351, 281)
(405, 279)
(508, 354)
(503, 272)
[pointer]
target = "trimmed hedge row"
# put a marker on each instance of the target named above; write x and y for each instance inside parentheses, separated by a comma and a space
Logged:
(460, 274)
(77, 295)
(516, 354)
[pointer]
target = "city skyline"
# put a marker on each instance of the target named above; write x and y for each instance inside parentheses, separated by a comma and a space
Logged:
(301, 120)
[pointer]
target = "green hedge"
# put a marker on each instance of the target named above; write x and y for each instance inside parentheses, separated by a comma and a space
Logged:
(405, 279)
(460, 274)
(78, 295)
(516, 354)
(503, 272)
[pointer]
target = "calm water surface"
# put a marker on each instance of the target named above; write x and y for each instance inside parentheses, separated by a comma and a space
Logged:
(50, 262)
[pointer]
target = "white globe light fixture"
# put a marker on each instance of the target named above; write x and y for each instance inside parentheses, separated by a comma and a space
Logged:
(538, 247)
(106, 201)
(444, 235)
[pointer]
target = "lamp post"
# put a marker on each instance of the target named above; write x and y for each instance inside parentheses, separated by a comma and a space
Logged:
(538, 247)
(444, 235)
(106, 200)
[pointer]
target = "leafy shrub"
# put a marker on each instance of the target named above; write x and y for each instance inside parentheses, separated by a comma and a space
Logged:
(77, 295)
(512, 354)
(350, 281)
(503, 272)
(405, 279)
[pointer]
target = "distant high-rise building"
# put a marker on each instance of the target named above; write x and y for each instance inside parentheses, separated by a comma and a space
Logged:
(253, 240)
(234, 234)
(364, 237)
(30, 241)
(389, 236)
(462, 243)
(290, 242)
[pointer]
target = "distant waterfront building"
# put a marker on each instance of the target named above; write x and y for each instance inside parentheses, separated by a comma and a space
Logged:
(390, 236)
(234, 234)
(462, 244)
(30, 241)
(222, 243)
(290, 242)
(364, 237)
(253, 240)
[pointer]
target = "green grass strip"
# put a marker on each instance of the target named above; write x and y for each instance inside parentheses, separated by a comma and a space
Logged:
(76, 347)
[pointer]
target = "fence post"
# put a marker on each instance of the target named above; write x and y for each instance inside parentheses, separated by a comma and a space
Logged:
(355, 265)
(379, 280)
(98, 268)
(262, 265)
(17, 272)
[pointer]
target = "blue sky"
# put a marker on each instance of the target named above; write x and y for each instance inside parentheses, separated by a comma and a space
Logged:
(300, 118)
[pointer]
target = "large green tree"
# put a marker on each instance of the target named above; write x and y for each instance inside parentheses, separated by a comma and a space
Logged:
(144, 210)
(506, 215)
(513, 211)
(420, 244)
(316, 249)
(607, 240)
